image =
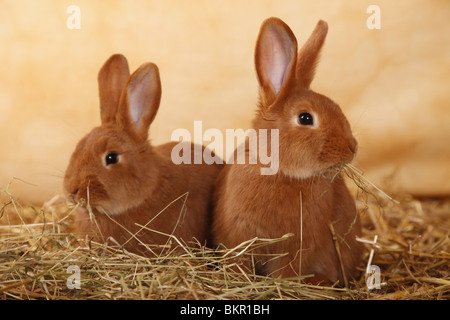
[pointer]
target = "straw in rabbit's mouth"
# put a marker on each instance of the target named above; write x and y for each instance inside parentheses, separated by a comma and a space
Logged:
(77, 205)
(334, 170)
(355, 175)
(362, 182)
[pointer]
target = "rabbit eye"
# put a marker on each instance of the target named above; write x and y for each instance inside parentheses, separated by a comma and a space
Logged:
(306, 119)
(111, 158)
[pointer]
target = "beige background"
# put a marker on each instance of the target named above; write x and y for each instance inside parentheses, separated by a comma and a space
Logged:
(392, 83)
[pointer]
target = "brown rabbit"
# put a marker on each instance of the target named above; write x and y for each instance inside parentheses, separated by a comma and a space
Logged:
(132, 190)
(307, 194)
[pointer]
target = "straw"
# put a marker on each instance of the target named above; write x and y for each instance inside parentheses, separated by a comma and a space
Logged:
(37, 247)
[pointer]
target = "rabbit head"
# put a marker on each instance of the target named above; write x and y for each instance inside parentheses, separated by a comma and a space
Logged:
(314, 134)
(108, 167)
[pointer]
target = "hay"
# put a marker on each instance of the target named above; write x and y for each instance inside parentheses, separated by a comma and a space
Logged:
(37, 250)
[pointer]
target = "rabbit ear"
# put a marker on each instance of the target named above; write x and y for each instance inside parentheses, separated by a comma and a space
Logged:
(140, 100)
(111, 80)
(275, 59)
(308, 57)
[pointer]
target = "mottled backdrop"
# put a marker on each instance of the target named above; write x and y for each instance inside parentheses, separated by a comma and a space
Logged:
(393, 82)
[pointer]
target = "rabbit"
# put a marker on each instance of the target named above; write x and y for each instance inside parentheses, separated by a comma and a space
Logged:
(306, 196)
(133, 193)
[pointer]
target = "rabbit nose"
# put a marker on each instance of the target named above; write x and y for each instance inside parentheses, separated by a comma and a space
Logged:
(353, 145)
